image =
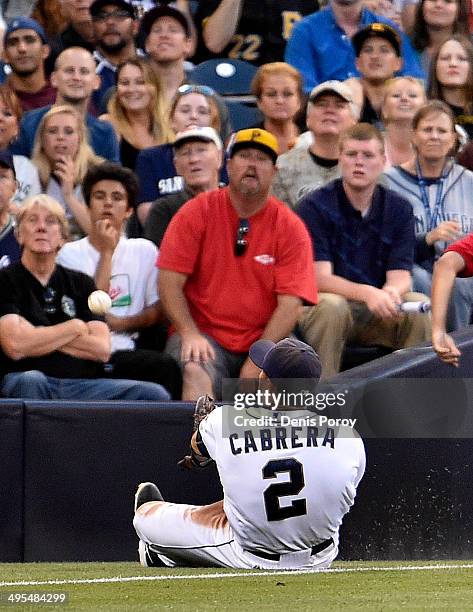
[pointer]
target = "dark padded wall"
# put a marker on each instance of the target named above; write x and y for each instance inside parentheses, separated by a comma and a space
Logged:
(82, 466)
(11, 481)
(416, 499)
(414, 502)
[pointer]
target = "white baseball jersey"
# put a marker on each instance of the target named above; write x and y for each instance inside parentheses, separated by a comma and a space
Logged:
(286, 486)
(133, 282)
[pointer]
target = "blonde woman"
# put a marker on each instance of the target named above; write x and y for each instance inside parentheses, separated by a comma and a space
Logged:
(403, 97)
(193, 105)
(62, 155)
(137, 110)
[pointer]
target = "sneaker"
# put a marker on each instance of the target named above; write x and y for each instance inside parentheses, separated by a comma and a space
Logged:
(146, 492)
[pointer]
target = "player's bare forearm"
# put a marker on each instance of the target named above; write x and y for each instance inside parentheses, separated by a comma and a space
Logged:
(150, 315)
(284, 318)
(20, 339)
(443, 280)
(219, 28)
(95, 345)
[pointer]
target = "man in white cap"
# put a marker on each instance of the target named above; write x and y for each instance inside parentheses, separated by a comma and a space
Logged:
(287, 488)
(198, 157)
(330, 111)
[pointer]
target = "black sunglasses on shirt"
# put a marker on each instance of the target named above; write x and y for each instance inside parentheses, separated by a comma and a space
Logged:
(241, 243)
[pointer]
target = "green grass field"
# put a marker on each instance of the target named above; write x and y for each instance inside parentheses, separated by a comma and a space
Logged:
(387, 586)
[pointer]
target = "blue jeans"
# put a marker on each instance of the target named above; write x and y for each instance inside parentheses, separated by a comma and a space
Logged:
(36, 385)
(461, 302)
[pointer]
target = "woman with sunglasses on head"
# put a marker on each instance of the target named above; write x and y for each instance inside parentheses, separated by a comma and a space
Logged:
(435, 21)
(193, 105)
(440, 193)
(403, 96)
(451, 79)
(137, 110)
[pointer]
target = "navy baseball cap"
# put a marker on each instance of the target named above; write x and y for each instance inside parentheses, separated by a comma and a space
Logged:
(288, 358)
(24, 23)
(379, 30)
(97, 6)
(6, 160)
(163, 10)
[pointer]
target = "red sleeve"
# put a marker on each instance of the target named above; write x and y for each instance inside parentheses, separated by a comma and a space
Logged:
(464, 247)
(182, 240)
(295, 270)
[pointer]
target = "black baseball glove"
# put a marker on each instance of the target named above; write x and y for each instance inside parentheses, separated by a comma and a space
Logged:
(203, 406)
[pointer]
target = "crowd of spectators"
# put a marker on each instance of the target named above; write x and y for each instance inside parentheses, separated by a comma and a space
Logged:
(119, 172)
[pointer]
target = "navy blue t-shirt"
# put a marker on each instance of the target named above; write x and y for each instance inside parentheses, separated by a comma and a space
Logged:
(361, 249)
(157, 173)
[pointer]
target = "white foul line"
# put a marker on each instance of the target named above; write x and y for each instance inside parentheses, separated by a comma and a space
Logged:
(335, 570)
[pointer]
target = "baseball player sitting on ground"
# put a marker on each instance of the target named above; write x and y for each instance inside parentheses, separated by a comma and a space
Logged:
(287, 488)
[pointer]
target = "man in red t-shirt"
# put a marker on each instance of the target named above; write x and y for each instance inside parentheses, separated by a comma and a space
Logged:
(235, 266)
(456, 261)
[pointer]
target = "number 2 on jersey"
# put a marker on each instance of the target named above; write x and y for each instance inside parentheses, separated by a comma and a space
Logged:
(295, 484)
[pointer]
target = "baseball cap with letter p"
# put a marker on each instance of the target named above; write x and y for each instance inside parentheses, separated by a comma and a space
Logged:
(256, 138)
(379, 30)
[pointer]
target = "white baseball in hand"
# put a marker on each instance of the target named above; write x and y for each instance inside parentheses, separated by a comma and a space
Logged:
(99, 302)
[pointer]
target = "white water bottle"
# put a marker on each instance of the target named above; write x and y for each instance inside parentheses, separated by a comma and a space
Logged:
(415, 307)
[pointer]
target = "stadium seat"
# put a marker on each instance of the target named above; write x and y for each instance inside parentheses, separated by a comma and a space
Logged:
(243, 116)
(227, 76)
